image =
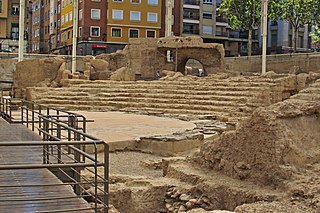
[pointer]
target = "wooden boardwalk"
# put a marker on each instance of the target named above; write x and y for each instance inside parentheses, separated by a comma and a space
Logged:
(31, 190)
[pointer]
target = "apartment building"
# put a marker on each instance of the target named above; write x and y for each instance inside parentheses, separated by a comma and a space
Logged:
(132, 19)
(92, 19)
(54, 29)
(280, 37)
(9, 25)
(39, 26)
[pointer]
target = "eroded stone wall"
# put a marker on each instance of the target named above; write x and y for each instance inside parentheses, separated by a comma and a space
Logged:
(7, 68)
(269, 144)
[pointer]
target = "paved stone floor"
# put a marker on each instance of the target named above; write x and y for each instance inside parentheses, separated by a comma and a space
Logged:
(114, 127)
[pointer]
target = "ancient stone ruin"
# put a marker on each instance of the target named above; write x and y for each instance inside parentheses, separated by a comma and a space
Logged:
(255, 142)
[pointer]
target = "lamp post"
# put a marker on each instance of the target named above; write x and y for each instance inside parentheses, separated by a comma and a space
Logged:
(264, 36)
(21, 30)
(74, 36)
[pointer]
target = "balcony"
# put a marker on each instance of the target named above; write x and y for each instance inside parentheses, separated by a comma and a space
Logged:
(192, 2)
(193, 32)
(191, 14)
(191, 17)
(221, 19)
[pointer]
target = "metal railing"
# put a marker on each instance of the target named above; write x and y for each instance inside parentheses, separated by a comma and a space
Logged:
(67, 150)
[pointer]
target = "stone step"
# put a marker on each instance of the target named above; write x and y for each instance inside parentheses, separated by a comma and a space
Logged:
(112, 92)
(311, 90)
(121, 104)
(239, 87)
(193, 102)
(182, 85)
(306, 96)
(219, 96)
(180, 82)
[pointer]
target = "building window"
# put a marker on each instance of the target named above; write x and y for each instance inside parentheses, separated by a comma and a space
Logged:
(219, 31)
(95, 31)
(117, 14)
(135, 1)
(133, 33)
(153, 2)
(0, 5)
(118, 0)
(80, 14)
(80, 31)
(207, 29)
(116, 32)
(62, 20)
(67, 18)
(14, 31)
(207, 15)
(95, 14)
(15, 9)
(135, 16)
(70, 16)
(152, 17)
(151, 33)
(207, 1)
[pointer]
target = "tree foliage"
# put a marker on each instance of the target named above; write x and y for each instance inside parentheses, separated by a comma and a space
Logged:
(297, 12)
(243, 14)
(315, 35)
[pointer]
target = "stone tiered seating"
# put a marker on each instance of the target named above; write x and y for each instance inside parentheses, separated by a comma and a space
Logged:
(312, 93)
(225, 99)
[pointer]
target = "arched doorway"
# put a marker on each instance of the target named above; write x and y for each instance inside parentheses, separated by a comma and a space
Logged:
(194, 67)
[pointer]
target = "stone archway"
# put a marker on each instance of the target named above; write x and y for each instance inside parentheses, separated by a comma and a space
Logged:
(193, 67)
(211, 59)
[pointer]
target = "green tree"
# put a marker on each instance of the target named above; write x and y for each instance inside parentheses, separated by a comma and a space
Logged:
(315, 35)
(242, 14)
(297, 12)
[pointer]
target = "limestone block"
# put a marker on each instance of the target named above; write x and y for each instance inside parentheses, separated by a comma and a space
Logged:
(87, 72)
(123, 74)
(104, 75)
(76, 75)
(87, 66)
(301, 81)
(99, 64)
(30, 73)
(65, 74)
(87, 58)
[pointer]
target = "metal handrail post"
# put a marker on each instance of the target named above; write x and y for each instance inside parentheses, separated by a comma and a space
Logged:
(10, 113)
(32, 107)
(106, 177)
(95, 178)
(44, 153)
(78, 170)
(27, 117)
(39, 110)
(22, 117)
(59, 146)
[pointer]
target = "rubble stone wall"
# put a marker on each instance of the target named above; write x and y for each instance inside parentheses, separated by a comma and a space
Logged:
(281, 63)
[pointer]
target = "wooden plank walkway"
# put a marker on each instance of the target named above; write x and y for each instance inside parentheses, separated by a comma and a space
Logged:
(16, 192)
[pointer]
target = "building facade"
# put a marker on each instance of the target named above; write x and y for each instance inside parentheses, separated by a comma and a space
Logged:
(9, 25)
(132, 19)
(280, 37)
